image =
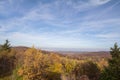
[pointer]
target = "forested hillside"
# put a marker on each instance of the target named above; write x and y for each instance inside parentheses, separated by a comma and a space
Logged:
(33, 64)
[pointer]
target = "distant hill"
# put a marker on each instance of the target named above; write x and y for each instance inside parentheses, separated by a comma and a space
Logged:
(70, 54)
(22, 49)
(81, 55)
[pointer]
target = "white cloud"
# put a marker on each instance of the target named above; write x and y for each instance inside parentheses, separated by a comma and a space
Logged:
(86, 5)
(98, 2)
(109, 35)
(40, 12)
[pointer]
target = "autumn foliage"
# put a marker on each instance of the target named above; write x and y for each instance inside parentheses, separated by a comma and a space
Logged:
(40, 66)
(35, 64)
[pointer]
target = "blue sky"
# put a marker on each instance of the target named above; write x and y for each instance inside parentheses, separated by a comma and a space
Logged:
(67, 24)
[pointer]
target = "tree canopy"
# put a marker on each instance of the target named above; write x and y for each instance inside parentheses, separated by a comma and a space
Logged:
(112, 72)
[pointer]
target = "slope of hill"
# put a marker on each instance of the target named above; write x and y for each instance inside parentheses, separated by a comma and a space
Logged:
(86, 55)
(70, 54)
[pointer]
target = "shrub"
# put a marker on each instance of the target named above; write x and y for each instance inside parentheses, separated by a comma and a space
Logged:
(88, 68)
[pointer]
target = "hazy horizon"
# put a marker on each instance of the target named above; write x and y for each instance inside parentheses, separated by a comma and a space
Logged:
(65, 49)
(61, 24)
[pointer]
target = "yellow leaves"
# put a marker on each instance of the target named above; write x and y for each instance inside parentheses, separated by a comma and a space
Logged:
(38, 66)
(20, 72)
(69, 65)
(30, 52)
(31, 63)
(11, 53)
(102, 63)
(35, 64)
(56, 67)
(54, 63)
(54, 57)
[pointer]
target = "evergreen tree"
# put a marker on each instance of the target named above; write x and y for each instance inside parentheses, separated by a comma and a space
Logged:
(5, 46)
(112, 72)
(7, 59)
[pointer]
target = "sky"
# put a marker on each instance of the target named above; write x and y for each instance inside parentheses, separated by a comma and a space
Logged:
(60, 24)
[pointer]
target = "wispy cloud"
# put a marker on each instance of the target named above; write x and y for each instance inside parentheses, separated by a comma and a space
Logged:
(109, 35)
(59, 23)
(98, 2)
